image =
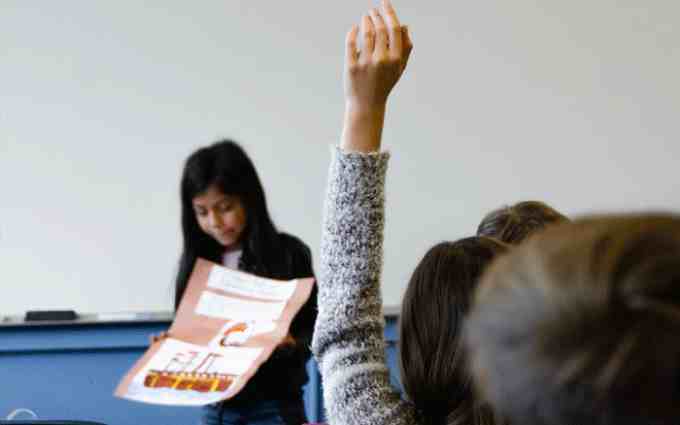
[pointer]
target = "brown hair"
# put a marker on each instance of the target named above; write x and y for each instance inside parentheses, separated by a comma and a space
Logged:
(581, 325)
(512, 224)
(438, 296)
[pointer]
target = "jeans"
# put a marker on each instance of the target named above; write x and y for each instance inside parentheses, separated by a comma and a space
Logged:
(268, 412)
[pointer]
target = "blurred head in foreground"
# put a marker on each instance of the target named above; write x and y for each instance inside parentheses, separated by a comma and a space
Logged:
(581, 325)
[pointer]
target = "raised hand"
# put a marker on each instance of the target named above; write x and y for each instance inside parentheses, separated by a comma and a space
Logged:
(371, 73)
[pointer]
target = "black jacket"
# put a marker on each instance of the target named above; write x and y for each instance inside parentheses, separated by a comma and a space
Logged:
(284, 374)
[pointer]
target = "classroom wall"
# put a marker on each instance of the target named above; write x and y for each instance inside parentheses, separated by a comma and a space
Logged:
(574, 103)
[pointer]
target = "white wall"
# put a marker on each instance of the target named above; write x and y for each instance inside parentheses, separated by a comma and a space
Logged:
(574, 103)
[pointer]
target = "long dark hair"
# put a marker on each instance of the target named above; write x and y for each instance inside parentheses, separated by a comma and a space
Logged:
(437, 298)
(225, 165)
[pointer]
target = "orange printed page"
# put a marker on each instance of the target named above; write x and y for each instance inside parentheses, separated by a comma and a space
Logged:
(227, 325)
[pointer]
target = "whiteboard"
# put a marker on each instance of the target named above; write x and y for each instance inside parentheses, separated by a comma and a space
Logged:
(573, 103)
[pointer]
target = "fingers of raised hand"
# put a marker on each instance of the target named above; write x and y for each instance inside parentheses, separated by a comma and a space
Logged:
(381, 37)
(368, 36)
(406, 37)
(393, 26)
(351, 53)
(384, 41)
(408, 45)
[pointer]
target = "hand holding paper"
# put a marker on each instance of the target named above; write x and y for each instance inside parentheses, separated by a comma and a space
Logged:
(227, 325)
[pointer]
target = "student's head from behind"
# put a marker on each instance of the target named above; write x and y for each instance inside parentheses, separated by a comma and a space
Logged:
(581, 325)
(436, 300)
(512, 224)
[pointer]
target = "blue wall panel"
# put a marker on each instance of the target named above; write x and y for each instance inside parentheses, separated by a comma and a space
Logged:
(71, 371)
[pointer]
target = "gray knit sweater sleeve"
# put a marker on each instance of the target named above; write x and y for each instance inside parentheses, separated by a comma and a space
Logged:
(348, 339)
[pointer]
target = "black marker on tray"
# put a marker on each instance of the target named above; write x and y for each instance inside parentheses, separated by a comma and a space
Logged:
(50, 315)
